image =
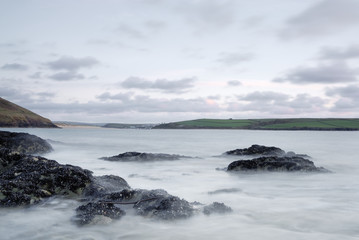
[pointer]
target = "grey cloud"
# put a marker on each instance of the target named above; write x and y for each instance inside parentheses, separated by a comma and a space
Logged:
(332, 53)
(266, 96)
(141, 103)
(231, 59)
(325, 17)
(66, 76)
(117, 97)
(72, 63)
(171, 86)
(277, 103)
(337, 72)
(350, 91)
(37, 75)
(14, 67)
(348, 98)
(234, 83)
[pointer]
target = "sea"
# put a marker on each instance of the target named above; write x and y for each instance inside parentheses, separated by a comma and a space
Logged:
(320, 206)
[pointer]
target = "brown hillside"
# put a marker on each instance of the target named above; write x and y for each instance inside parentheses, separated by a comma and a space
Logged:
(12, 115)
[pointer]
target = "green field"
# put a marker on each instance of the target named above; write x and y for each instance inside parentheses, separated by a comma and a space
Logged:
(268, 124)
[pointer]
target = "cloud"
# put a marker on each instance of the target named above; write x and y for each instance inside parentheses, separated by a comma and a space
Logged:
(122, 103)
(337, 72)
(66, 76)
(130, 31)
(210, 15)
(332, 53)
(269, 102)
(170, 86)
(325, 17)
(234, 83)
(36, 75)
(72, 64)
(14, 67)
(231, 59)
(348, 98)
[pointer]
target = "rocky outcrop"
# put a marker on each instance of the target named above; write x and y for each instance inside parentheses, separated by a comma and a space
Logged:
(24, 143)
(275, 164)
(272, 159)
(26, 179)
(143, 157)
(257, 150)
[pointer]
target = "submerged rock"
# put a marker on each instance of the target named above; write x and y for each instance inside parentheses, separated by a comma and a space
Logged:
(24, 143)
(257, 150)
(26, 179)
(274, 163)
(97, 213)
(216, 208)
(143, 157)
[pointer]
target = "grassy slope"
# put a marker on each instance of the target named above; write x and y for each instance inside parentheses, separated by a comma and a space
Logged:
(12, 115)
(270, 124)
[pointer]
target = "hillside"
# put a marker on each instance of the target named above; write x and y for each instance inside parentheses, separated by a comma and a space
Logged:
(337, 124)
(12, 115)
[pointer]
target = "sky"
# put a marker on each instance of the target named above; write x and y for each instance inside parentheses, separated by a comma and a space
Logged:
(154, 61)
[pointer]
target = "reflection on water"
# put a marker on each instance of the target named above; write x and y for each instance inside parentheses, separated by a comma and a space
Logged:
(270, 205)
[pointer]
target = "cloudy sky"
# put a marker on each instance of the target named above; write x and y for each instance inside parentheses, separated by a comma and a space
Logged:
(167, 60)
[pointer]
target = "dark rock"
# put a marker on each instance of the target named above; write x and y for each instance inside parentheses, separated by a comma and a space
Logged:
(274, 163)
(103, 185)
(99, 212)
(216, 208)
(143, 157)
(24, 143)
(156, 204)
(26, 179)
(257, 150)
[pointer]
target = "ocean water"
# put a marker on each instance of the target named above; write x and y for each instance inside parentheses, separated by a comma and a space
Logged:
(265, 206)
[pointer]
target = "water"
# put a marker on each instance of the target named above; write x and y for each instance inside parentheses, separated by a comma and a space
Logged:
(265, 206)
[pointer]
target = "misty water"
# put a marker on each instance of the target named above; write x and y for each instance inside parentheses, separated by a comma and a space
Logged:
(265, 205)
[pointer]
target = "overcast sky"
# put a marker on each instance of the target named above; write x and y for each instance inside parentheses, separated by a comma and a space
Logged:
(167, 60)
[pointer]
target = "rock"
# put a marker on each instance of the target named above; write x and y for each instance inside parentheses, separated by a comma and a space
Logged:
(99, 212)
(26, 179)
(24, 143)
(257, 150)
(103, 185)
(156, 204)
(216, 208)
(274, 163)
(143, 157)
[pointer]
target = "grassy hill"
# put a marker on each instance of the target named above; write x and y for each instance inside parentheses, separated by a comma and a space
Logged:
(12, 115)
(267, 124)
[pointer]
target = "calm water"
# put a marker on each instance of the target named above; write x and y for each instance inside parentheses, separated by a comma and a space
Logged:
(266, 206)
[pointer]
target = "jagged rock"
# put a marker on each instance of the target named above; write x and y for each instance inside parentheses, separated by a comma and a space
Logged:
(274, 163)
(26, 179)
(98, 212)
(24, 143)
(216, 208)
(142, 157)
(257, 150)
